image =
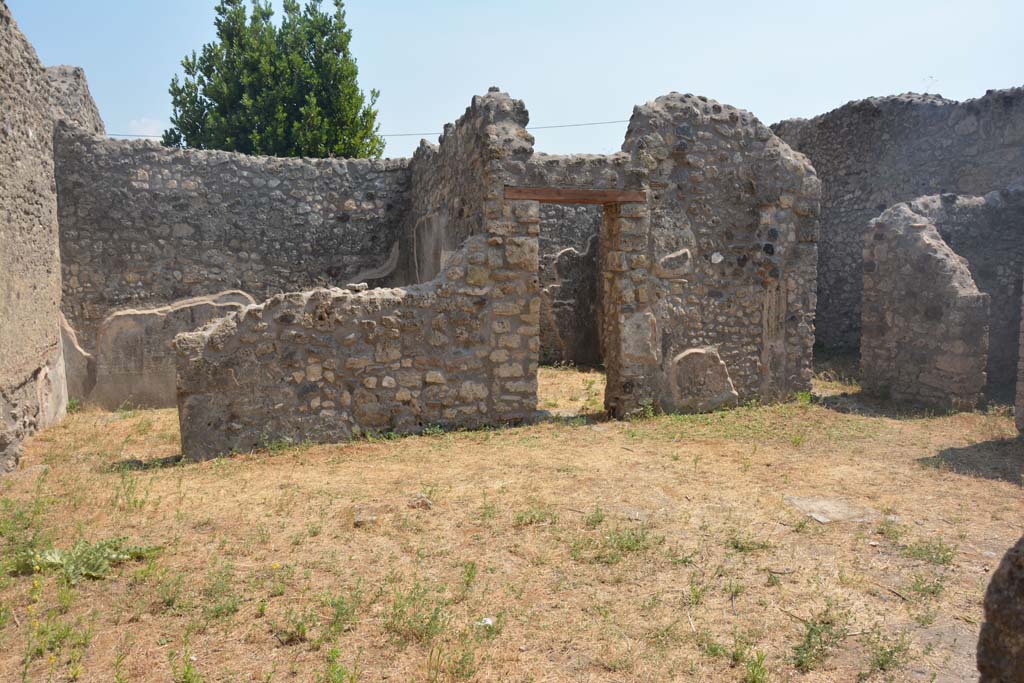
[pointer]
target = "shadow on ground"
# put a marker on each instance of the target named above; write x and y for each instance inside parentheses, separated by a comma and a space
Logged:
(1001, 460)
(133, 464)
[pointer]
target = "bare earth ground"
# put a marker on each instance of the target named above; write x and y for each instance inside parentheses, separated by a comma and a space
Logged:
(573, 550)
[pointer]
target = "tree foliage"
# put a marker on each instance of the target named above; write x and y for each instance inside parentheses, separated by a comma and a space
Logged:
(290, 90)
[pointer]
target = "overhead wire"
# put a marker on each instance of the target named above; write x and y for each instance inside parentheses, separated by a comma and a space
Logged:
(409, 135)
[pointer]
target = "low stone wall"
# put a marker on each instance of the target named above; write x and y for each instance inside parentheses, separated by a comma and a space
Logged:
(873, 153)
(329, 364)
(32, 387)
(722, 256)
(925, 323)
(142, 225)
(988, 232)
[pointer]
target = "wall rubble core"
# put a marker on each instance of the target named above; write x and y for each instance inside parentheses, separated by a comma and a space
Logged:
(32, 386)
(877, 152)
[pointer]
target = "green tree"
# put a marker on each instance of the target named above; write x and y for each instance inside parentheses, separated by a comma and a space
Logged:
(282, 91)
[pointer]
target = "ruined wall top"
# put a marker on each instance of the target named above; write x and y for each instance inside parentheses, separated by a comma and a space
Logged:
(71, 99)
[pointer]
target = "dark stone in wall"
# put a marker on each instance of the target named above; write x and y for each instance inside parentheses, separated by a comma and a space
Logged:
(874, 153)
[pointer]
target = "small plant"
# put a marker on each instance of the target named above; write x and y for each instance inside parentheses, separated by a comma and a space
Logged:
(127, 496)
(734, 589)
(295, 628)
(747, 545)
(186, 672)
(594, 519)
(455, 664)
(924, 586)
(469, 572)
(756, 671)
(336, 672)
(889, 530)
(344, 608)
(415, 614)
(695, 596)
(433, 430)
(82, 560)
(933, 551)
(55, 637)
(887, 653)
(823, 633)
(803, 398)
(612, 545)
(74, 405)
(168, 589)
(536, 513)
(220, 591)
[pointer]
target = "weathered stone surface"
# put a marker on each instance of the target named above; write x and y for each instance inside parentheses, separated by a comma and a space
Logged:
(135, 363)
(873, 153)
(700, 382)
(327, 364)
(32, 391)
(79, 364)
(722, 254)
(1001, 643)
(71, 100)
(1018, 411)
(142, 225)
(925, 323)
(828, 510)
(988, 232)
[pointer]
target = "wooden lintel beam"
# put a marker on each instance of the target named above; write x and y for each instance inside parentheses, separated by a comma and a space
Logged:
(574, 195)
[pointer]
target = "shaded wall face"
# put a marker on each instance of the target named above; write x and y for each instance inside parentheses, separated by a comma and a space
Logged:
(327, 364)
(729, 252)
(989, 233)
(875, 153)
(31, 379)
(569, 277)
(925, 323)
(142, 225)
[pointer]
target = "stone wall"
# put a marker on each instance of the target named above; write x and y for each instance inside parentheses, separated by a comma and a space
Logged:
(31, 370)
(874, 153)
(721, 260)
(1018, 412)
(328, 364)
(142, 225)
(71, 100)
(989, 233)
(925, 323)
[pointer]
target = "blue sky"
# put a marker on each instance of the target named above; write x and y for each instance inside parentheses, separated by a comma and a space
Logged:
(571, 61)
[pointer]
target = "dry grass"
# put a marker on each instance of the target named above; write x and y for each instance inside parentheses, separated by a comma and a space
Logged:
(573, 550)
